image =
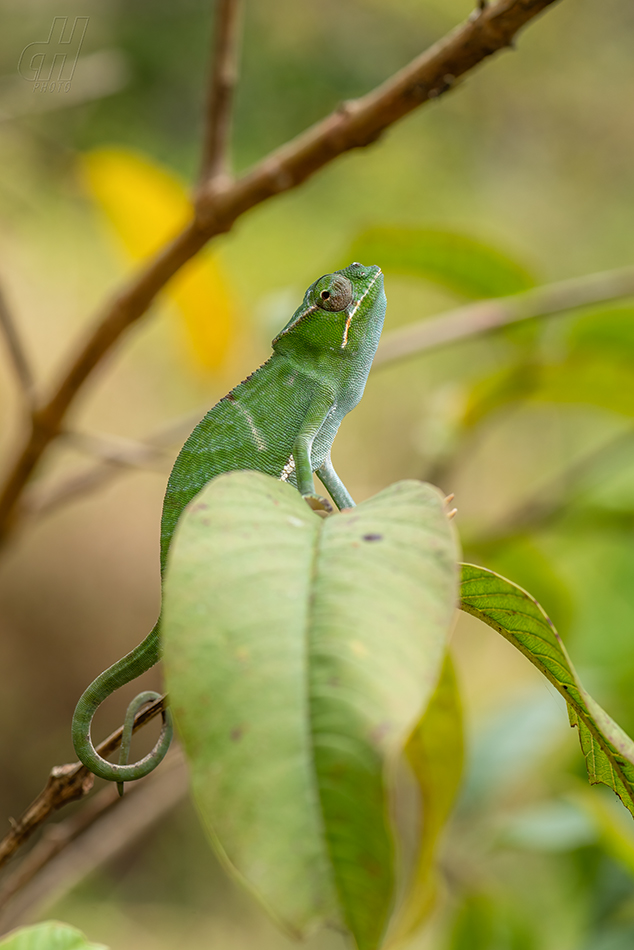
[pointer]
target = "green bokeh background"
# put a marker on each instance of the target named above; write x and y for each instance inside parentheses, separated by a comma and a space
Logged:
(531, 154)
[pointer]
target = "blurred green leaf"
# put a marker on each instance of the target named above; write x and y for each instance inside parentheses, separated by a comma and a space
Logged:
(590, 379)
(585, 378)
(608, 750)
(299, 654)
(50, 935)
(463, 264)
(483, 923)
(609, 330)
(616, 837)
(435, 751)
(510, 384)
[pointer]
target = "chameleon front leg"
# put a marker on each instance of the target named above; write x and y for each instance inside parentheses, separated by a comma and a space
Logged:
(338, 491)
(316, 415)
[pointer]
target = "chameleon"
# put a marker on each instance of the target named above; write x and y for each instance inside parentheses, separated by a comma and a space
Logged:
(281, 420)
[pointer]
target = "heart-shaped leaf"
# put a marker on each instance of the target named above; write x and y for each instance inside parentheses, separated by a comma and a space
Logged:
(300, 652)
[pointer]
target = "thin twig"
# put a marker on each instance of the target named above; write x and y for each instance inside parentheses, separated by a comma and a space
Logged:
(477, 318)
(16, 351)
(222, 82)
(73, 848)
(118, 457)
(353, 125)
(66, 783)
(113, 448)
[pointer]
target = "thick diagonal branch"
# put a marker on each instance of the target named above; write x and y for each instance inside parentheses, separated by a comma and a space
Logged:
(222, 81)
(353, 125)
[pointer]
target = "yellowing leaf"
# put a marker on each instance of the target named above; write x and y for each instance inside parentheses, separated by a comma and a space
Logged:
(147, 206)
(202, 296)
(435, 751)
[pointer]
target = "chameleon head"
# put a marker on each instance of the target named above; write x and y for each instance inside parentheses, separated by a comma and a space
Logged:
(339, 307)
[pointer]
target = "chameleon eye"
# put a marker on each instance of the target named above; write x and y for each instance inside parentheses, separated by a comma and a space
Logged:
(334, 293)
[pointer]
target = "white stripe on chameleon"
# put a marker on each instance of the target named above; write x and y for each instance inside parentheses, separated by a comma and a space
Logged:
(288, 469)
(257, 435)
(344, 342)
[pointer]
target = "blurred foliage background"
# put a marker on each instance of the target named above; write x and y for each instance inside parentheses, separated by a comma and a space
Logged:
(531, 428)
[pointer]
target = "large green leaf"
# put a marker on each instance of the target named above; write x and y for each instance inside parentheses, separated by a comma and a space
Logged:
(435, 751)
(608, 750)
(50, 935)
(460, 263)
(300, 652)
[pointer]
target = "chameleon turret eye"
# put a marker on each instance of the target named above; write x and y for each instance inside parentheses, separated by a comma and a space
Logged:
(333, 293)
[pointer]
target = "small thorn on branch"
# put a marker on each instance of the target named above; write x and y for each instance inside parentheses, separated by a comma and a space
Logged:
(222, 82)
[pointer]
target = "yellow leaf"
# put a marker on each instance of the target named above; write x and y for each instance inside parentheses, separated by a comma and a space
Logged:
(435, 753)
(147, 206)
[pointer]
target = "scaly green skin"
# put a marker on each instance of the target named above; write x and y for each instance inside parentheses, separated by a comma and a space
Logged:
(281, 420)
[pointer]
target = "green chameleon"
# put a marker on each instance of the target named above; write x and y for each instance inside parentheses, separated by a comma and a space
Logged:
(281, 420)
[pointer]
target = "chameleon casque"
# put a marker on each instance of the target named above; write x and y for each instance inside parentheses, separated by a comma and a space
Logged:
(281, 420)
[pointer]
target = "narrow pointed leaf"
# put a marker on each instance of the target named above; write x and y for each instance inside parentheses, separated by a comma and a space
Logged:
(50, 935)
(608, 750)
(435, 751)
(300, 652)
(463, 264)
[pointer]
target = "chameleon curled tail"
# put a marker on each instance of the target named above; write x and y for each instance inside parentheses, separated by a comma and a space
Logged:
(281, 420)
(123, 671)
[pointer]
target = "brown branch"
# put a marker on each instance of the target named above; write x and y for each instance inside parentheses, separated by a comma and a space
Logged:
(222, 82)
(66, 783)
(353, 125)
(71, 849)
(15, 349)
(477, 318)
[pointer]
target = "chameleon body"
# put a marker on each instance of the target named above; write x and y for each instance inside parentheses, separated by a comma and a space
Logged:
(280, 420)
